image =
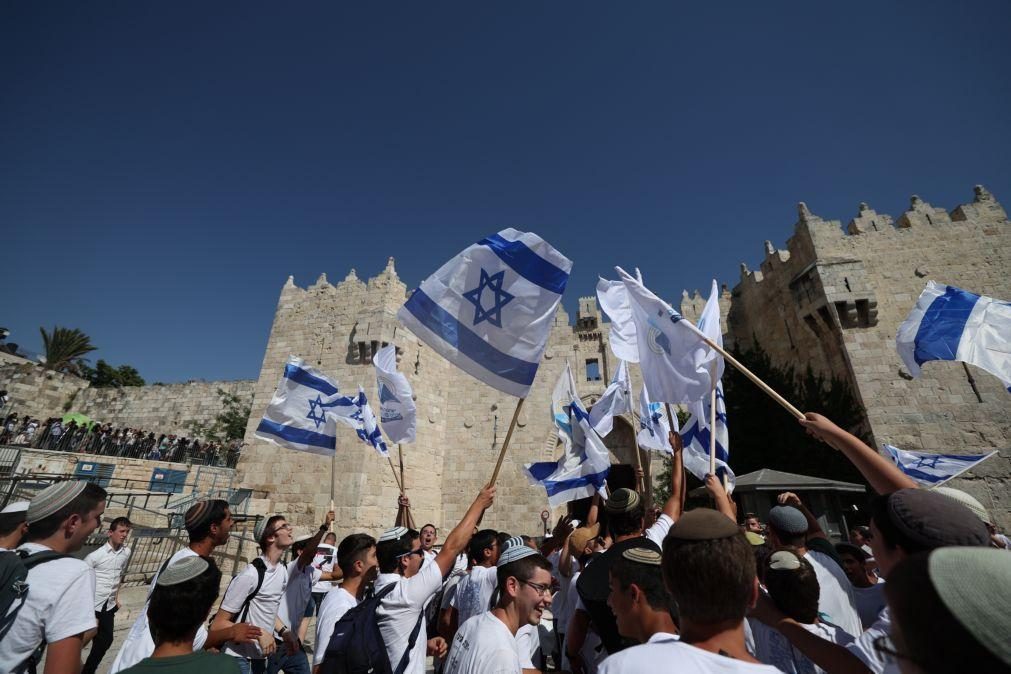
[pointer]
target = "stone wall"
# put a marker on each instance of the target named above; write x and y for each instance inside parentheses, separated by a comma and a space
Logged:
(36, 391)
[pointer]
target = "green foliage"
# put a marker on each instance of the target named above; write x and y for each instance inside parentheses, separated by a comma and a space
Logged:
(64, 349)
(104, 375)
(229, 424)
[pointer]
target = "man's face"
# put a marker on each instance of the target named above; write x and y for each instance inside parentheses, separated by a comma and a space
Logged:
(492, 552)
(886, 557)
(86, 526)
(753, 525)
(370, 564)
(283, 535)
(412, 561)
(118, 535)
(853, 567)
(220, 532)
(428, 537)
(621, 605)
(330, 539)
(533, 597)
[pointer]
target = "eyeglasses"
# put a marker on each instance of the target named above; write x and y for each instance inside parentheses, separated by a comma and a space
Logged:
(419, 552)
(283, 527)
(541, 590)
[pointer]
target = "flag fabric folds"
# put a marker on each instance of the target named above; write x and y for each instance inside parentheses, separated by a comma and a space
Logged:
(490, 309)
(932, 470)
(368, 429)
(397, 411)
(949, 323)
(696, 436)
(613, 298)
(584, 464)
(677, 366)
(654, 430)
(615, 401)
(299, 415)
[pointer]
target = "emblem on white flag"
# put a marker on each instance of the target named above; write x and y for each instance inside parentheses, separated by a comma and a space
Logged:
(654, 430)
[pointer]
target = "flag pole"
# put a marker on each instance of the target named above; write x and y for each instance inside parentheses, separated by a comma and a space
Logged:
(395, 478)
(505, 444)
(712, 431)
(333, 464)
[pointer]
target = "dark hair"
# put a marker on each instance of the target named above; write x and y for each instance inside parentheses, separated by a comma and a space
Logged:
(891, 536)
(522, 569)
(9, 522)
(711, 581)
(430, 525)
(623, 524)
(480, 542)
(352, 549)
(120, 521)
(175, 612)
(527, 540)
(788, 540)
(269, 530)
(389, 552)
(502, 537)
(82, 504)
(215, 516)
(647, 578)
(794, 591)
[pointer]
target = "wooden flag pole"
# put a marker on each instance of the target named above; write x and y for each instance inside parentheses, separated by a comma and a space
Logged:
(333, 469)
(638, 457)
(670, 416)
(505, 444)
(395, 478)
(712, 431)
(400, 452)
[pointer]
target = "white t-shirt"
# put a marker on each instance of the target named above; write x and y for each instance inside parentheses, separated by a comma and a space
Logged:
(60, 604)
(298, 594)
(568, 605)
(323, 553)
(863, 646)
(473, 594)
(399, 611)
(836, 602)
(449, 589)
(658, 531)
(774, 649)
(336, 603)
(528, 640)
(139, 644)
(108, 565)
(665, 653)
(262, 610)
(870, 602)
(483, 646)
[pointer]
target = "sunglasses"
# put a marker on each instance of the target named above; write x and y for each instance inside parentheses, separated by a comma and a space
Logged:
(419, 552)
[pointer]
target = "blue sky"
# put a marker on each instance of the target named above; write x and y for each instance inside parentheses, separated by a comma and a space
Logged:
(165, 166)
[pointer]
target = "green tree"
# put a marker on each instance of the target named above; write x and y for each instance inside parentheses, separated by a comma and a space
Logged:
(104, 375)
(229, 424)
(64, 349)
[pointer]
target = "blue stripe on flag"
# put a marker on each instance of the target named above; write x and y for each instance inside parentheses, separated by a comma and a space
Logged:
(595, 479)
(541, 470)
(303, 378)
(925, 477)
(693, 433)
(462, 338)
(297, 435)
(942, 326)
(527, 263)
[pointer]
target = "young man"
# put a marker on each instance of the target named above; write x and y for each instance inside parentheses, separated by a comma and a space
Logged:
(868, 589)
(640, 602)
(326, 561)
(793, 525)
(12, 525)
(487, 643)
(709, 570)
(429, 534)
(58, 612)
(181, 599)
(356, 556)
(208, 524)
(400, 561)
(753, 524)
(109, 563)
(240, 603)
(473, 594)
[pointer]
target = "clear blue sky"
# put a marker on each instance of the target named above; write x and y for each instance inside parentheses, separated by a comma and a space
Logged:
(165, 166)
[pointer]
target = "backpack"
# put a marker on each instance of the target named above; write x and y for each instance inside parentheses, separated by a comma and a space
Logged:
(14, 567)
(261, 571)
(357, 646)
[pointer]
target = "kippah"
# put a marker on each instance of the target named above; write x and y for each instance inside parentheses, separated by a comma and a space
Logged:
(855, 550)
(934, 521)
(788, 519)
(784, 560)
(183, 570)
(580, 537)
(16, 507)
(622, 501)
(975, 585)
(703, 524)
(754, 539)
(392, 534)
(197, 515)
(510, 542)
(965, 499)
(512, 553)
(259, 528)
(642, 556)
(53, 498)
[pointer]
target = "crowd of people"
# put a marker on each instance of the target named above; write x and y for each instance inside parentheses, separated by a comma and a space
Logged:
(923, 588)
(107, 440)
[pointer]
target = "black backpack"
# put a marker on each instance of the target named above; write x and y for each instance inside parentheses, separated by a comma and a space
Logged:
(14, 568)
(357, 646)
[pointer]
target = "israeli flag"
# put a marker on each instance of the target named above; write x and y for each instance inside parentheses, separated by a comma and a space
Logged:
(397, 411)
(654, 430)
(932, 470)
(582, 469)
(490, 309)
(948, 323)
(300, 414)
(369, 431)
(696, 436)
(613, 299)
(615, 401)
(677, 366)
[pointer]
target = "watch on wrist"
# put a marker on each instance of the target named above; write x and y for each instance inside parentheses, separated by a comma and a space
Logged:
(323, 528)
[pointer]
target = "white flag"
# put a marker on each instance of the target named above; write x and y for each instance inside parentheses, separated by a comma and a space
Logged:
(490, 309)
(677, 366)
(696, 437)
(654, 429)
(613, 299)
(397, 411)
(615, 401)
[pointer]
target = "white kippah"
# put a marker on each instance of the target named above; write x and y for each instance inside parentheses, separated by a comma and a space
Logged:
(183, 570)
(16, 507)
(392, 534)
(511, 553)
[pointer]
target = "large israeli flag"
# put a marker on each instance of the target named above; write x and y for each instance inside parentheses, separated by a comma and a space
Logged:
(369, 431)
(613, 299)
(654, 430)
(582, 469)
(617, 400)
(677, 366)
(300, 414)
(949, 323)
(490, 309)
(932, 470)
(696, 437)
(397, 411)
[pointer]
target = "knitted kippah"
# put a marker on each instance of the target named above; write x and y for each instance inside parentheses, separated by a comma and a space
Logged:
(51, 499)
(642, 556)
(16, 507)
(622, 501)
(511, 553)
(959, 496)
(183, 570)
(392, 534)
(933, 520)
(703, 524)
(784, 560)
(197, 515)
(754, 539)
(788, 519)
(580, 537)
(259, 528)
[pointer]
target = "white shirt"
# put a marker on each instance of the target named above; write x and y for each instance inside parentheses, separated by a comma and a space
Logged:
(870, 601)
(863, 647)
(836, 602)
(60, 604)
(298, 594)
(528, 640)
(399, 611)
(109, 565)
(262, 610)
(774, 649)
(484, 645)
(139, 643)
(665, 653)
(336, 603)
(473, 594)
(449, 589)
(323, 553)
(658, 531)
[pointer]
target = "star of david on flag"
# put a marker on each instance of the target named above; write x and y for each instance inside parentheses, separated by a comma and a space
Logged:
(490, 309)
(369, 431)
(933, 470)
(397, 411)
(654, 430)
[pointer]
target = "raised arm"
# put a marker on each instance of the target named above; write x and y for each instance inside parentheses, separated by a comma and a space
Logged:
(676, 503)
(461, 534)
(309, 552)
(719, 494)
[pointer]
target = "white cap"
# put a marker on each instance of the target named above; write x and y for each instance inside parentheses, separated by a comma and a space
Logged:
(16, 507)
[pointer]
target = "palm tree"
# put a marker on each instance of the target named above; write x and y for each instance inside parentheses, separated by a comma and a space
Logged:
(65, 348)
